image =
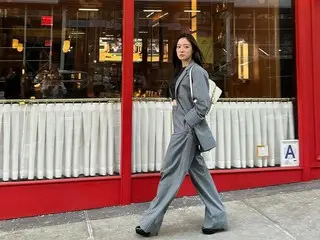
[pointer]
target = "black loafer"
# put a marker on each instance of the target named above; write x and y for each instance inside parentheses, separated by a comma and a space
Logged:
(209, 231)
(142, 233)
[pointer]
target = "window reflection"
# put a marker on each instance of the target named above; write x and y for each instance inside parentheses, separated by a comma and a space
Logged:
(64, 43)
(247, 45)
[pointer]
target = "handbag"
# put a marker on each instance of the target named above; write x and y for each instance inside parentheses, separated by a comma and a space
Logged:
(214, 91)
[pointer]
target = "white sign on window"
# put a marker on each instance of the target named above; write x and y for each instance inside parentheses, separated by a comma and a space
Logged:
(289, 153)
(262, 151)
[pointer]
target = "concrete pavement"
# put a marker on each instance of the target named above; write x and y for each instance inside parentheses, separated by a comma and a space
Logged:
(279, 213)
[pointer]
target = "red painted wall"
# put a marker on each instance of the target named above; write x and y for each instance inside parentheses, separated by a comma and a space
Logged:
(316, 76)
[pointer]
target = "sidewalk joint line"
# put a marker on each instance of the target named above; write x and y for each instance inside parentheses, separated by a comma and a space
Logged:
(269, 219)
(89, 226)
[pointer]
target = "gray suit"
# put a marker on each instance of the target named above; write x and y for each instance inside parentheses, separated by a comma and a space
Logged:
(191, 136)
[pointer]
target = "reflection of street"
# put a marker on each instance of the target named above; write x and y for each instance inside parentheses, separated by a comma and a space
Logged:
(112, 57)
(111, 50)
(74, 84)
(154, 50)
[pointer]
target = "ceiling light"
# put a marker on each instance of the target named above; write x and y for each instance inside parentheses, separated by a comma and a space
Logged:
(77, 33)
(152, 10)
(154, 25)
(191, 11)
(150, 14)
(264, 52)
(164, 15)
(89, 9)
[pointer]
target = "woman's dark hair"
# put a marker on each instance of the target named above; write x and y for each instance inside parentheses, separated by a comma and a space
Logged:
(197, 55)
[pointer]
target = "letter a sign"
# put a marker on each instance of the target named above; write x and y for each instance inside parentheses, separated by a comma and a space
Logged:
(289, 153)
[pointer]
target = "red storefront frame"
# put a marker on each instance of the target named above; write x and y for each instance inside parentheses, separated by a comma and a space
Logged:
(30, 198)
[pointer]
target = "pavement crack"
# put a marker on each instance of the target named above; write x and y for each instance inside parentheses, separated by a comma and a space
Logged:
(269, 219)
(89, 226)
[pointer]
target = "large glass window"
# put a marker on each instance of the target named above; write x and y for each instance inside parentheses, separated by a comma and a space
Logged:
(64, 50)
(55, 51)
(248, 50)
(247, 45)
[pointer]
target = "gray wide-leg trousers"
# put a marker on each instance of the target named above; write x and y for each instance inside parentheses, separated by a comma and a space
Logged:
(182, 157)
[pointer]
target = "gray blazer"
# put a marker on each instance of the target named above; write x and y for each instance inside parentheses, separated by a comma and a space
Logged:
(193, 114)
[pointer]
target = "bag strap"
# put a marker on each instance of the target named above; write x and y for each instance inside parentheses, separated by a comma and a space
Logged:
(190, 80)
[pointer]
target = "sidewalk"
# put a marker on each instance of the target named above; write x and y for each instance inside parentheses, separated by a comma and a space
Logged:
(278, 213)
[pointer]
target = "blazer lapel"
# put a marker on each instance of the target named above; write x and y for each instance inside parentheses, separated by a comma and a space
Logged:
(182, 75)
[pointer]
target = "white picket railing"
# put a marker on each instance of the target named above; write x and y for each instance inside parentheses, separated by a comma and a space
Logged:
(49, 141)
(238, 127)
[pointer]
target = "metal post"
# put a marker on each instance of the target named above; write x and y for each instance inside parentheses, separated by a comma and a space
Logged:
(25, 36)
(51, 41)
(269, 51)
(228, 49)
(234, 32)
(63, 37)
(254, 34)
(228, 36)
(277, 49)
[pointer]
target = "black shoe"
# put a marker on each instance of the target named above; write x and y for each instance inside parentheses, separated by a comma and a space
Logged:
(142, 233)
(209, 231)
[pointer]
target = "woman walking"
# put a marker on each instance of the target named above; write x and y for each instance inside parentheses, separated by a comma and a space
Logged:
(191, 136)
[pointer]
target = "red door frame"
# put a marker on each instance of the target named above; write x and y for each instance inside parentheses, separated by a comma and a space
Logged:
(126, 109)
(307, 50)
(29, 198)
(315, 165)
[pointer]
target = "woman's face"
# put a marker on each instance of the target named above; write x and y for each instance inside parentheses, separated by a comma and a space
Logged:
(184, 49)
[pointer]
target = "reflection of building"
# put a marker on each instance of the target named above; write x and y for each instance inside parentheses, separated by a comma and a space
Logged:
(111, 50)
(241, 42)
